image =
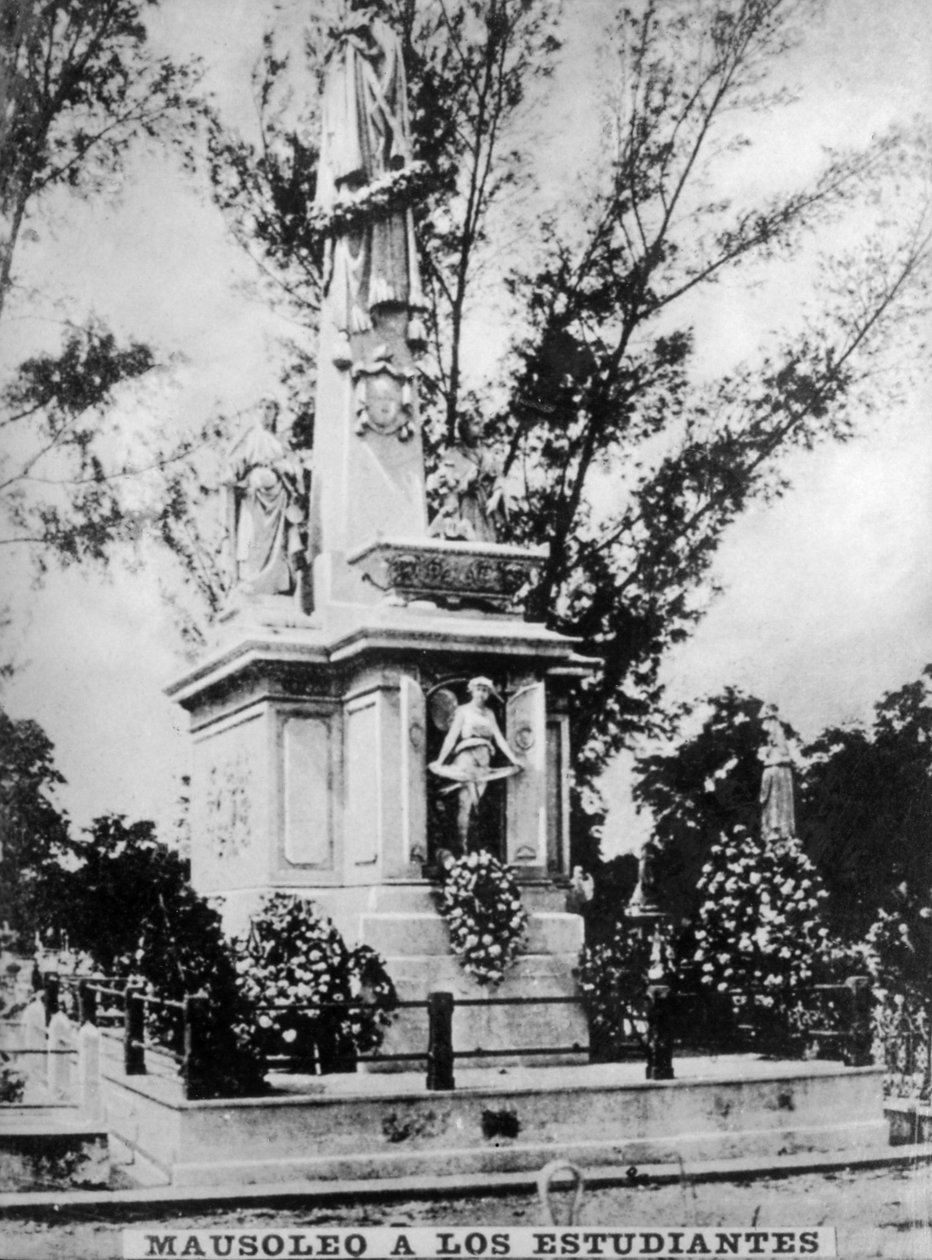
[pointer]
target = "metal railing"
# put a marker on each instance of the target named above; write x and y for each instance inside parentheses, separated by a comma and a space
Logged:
(122, 1010)
(907, 1050)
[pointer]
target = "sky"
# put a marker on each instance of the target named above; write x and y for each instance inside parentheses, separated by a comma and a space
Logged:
(826, 596)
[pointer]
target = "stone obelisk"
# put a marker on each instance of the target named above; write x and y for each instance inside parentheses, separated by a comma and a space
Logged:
(368, 456)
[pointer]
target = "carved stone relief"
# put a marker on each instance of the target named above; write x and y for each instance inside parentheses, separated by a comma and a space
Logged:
(384, 396)
(227, 806)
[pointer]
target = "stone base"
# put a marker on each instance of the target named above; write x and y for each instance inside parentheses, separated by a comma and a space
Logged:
(39, 1150)
(910, 1122)
(359, 1127)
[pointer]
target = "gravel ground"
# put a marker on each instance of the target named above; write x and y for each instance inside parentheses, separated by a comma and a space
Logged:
(884, 1212)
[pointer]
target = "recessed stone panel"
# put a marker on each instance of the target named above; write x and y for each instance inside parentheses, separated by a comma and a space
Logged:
(307, 788)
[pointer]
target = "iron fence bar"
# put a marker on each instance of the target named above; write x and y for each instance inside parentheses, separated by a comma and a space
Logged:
(12, 1051)
(541, 1050)
(519, 1001)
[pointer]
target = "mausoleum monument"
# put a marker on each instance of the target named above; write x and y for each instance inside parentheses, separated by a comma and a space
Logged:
(375, 698)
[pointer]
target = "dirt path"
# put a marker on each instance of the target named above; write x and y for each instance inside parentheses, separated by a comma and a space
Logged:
(884, 1213)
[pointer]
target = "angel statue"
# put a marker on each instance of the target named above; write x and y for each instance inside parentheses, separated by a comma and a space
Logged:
(467, 751)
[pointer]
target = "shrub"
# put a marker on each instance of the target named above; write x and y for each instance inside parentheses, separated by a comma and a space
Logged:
(613, 976)
(482, 908)
(183, 950)
(760, 928)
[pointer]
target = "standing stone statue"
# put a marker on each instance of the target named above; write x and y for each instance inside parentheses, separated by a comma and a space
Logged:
(778, 820)
(472, 500)
(267, 509)
(365, 148)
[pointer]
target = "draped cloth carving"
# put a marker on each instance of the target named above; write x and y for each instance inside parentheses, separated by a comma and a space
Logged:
(366, 141)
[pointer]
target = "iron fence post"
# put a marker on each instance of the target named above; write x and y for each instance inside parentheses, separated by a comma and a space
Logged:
(925, 1089)
(52, 987)
(192, 1063)
(659, 1058)
(134, 1032)
(440, 1041)
(859, 1030)
(87, 1003)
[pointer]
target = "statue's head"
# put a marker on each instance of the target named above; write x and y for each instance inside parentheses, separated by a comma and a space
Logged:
(269, 415)
(481, 688)
(470, 430)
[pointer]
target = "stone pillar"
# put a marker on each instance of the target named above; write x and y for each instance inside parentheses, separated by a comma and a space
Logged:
(526, 813)
(60, 1039)
(89, 1094)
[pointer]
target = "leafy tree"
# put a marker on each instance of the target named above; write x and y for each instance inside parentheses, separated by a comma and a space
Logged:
(704, 787)
(472, 70)
(116, 878)
(79, 88)
(629, 457)
(80, 91)
(32, 830)
(125, 900)
(867, 812)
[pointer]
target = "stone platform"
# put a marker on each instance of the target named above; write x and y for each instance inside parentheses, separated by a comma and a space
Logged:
(367, 1127)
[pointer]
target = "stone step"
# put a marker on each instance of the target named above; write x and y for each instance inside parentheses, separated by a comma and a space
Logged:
(507, 1034)
(420, 898)
(398, 935)
(596, 1114)
(529, 975)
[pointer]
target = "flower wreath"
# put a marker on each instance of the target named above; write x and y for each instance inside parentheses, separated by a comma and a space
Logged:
(391, 192)
(482, 908)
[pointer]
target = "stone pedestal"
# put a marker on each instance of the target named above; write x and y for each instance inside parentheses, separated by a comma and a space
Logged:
(311, 746)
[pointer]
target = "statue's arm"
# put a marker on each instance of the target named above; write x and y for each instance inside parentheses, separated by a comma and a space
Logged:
(502, 743)
(453, 735)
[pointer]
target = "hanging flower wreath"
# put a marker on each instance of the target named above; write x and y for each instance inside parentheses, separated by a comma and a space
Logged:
(394, 191)
(482, 908)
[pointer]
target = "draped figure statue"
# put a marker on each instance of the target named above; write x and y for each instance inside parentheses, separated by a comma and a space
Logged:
(472, 507)
(778, 815)
(366, 139)
(265, 506)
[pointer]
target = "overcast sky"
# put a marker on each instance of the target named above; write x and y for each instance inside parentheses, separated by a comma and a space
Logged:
(828, 594)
